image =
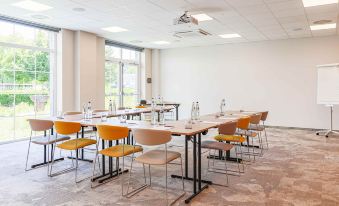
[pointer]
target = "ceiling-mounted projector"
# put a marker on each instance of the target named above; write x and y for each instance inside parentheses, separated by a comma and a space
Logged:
(185, 19)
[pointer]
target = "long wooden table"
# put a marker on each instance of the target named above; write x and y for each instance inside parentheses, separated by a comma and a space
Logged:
(177, 128)
(174, 104)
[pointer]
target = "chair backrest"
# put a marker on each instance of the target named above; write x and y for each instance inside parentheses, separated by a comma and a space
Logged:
(40, 125)
(151, 137)
(100, 110)
(67, 128)
(72, 113)
(244, 122)
(109, 132)
(228, 128)
(264, 116)
(255, 119)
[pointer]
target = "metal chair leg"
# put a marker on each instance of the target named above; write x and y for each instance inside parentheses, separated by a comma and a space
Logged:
(29, 147)
(266, 136)
(226, 172)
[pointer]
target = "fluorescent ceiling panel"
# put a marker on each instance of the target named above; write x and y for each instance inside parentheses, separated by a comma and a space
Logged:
(32, 6)
(228, 36)
(310, 3)
(323, 26)
(202, 17)
(114, 29)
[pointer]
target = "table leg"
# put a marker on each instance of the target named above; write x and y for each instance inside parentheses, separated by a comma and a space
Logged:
(187, 138)
(199, 161)
(177, 111)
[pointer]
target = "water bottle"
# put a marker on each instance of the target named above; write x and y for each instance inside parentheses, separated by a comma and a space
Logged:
(89, 110)
(110, 106)
(153, 112)
(222, 107)
(193, 112)
(114, 108)
(197, 111)
(84, 112)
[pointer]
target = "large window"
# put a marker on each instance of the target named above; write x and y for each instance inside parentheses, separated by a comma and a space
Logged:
(27, 60)
(122, 76)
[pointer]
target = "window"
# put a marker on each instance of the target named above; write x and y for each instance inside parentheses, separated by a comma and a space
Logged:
(122, 76)
(27, 58)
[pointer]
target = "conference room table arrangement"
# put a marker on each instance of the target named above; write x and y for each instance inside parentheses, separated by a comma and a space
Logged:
(193, 134)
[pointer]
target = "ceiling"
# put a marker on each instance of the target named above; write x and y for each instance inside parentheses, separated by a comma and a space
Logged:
(148, 21)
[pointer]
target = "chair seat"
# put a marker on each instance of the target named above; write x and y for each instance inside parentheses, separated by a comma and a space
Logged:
(120, 150)
(158, 157)
(247, 133)
(216, 145)
(256, 127)
(230, 138)
(76, 143)
(44, 140)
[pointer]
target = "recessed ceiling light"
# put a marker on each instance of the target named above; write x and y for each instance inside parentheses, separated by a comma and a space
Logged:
(79, 9)
(114, 29)
(228, 36)
(39, 16)
(161, 42)
(202, 17)
(32, 6)
(309, 3)
(323, 26)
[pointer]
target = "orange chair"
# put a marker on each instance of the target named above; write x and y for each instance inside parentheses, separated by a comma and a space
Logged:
(244, 130)
(69, 128)
(111, 133)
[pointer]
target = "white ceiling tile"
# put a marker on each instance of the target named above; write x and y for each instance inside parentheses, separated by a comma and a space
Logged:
(152, 20)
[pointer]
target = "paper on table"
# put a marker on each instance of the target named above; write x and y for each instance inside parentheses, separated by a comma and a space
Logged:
(228, 118)
(211, 122)
(161, 128)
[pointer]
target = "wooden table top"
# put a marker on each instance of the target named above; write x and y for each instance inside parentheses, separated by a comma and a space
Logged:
(176, 127)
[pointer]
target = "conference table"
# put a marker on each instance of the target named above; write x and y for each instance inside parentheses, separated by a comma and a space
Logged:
(168, 103)
(177, 128)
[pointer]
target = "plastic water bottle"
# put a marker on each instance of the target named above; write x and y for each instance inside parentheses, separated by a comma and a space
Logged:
(89, 110)
(114, 108)
(153, 112)
(110, 106)
(162, 112)
(84, 112)
(197, 111)
(222, 107)
(193, 112)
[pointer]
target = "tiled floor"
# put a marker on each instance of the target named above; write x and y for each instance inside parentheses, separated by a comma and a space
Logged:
(300, 168)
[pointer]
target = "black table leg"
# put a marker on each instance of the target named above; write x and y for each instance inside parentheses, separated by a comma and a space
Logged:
(199, 161)
(177, 111)
(187, 138)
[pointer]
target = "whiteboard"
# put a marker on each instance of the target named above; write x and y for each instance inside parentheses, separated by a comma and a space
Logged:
(328, 84)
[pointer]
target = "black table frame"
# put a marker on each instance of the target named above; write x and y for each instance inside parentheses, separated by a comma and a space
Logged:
(197, 181)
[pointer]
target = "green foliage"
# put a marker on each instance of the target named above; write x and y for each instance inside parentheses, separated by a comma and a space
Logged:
(28, 69)
(6, 100)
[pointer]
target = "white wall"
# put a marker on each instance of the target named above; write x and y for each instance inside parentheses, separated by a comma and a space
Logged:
(278, 76)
